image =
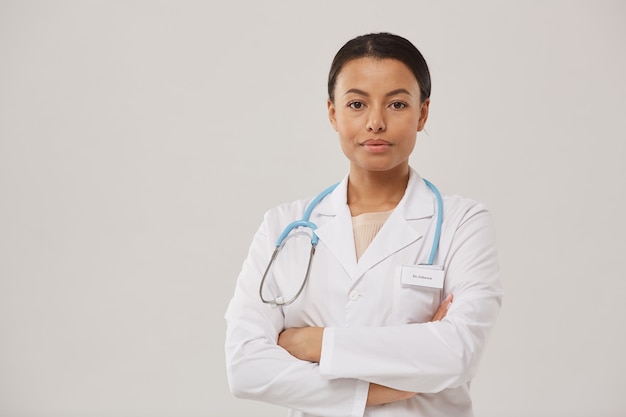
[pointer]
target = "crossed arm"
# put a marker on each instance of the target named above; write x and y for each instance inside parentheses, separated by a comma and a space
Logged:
(305, 343)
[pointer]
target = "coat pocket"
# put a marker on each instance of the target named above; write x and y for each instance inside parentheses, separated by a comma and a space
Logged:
(414, 303)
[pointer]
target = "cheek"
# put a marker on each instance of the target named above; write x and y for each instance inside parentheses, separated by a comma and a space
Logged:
(346, 127)
(347, 147)
(347, 136)
(411, 125)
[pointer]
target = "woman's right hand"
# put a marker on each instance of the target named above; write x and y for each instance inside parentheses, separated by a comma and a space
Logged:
(379, 394)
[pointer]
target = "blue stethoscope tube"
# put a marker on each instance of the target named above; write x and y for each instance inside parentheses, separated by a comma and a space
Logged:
(305, 222)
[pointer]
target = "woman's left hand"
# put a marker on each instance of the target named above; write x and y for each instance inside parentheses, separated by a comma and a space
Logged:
(443, 308)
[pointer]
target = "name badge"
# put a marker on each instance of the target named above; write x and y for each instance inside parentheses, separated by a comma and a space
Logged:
(422, 275)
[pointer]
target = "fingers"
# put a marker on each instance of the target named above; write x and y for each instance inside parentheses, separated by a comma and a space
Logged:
(379, 394)
(443, 308)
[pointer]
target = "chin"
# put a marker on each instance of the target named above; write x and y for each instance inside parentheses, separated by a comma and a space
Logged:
(380, 168)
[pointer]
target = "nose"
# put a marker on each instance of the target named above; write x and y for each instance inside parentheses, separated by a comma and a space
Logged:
(375, 122)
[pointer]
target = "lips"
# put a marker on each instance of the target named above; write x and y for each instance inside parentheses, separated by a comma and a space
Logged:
(376, 145)
(375, 142)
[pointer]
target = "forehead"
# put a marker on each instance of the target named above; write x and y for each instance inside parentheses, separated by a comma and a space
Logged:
(374, 73)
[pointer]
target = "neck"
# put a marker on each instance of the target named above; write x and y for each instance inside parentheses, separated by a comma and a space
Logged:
(371, 191)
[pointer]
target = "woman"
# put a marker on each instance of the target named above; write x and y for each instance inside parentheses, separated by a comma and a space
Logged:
(366, 337)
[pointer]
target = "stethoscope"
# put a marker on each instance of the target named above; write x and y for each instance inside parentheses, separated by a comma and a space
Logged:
(305, 222)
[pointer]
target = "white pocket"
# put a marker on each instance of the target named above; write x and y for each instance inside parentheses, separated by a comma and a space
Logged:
(413, 303)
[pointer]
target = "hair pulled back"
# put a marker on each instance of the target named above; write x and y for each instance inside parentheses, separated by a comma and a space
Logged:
(381, 46)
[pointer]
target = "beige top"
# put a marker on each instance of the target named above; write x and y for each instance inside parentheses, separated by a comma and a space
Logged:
(365, 227)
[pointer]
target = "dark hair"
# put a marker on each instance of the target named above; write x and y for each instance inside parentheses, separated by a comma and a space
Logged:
(381, 46)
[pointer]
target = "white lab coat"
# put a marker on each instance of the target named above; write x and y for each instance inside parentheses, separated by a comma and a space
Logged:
(376, 329)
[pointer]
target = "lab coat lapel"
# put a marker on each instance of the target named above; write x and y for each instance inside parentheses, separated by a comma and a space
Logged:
(334, 222)
(407, 224)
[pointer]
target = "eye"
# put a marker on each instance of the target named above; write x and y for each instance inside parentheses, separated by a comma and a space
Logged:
(356, 105)
(398, 105)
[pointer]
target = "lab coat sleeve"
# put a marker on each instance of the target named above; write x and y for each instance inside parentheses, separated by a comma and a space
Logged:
(429, 357)
(259, 369)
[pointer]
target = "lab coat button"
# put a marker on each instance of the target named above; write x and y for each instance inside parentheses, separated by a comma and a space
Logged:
(354, 295)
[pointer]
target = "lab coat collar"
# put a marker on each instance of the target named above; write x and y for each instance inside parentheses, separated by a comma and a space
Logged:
(417, 202)
(401, 229)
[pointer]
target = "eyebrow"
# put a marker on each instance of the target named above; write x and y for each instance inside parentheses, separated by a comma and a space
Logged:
(389, 94)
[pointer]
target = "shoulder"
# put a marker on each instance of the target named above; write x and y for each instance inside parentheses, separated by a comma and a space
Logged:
(282, 214)
(325, 202)
(455, 202)
(459, 209)
(468, 231)
(454, 206)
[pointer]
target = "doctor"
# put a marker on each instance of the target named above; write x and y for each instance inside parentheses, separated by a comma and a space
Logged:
(365, 337)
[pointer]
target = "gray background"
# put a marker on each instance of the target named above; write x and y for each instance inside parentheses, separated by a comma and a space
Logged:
(141, 142)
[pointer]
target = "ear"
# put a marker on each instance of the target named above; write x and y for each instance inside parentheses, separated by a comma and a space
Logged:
(423, 115)
(332, 114)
